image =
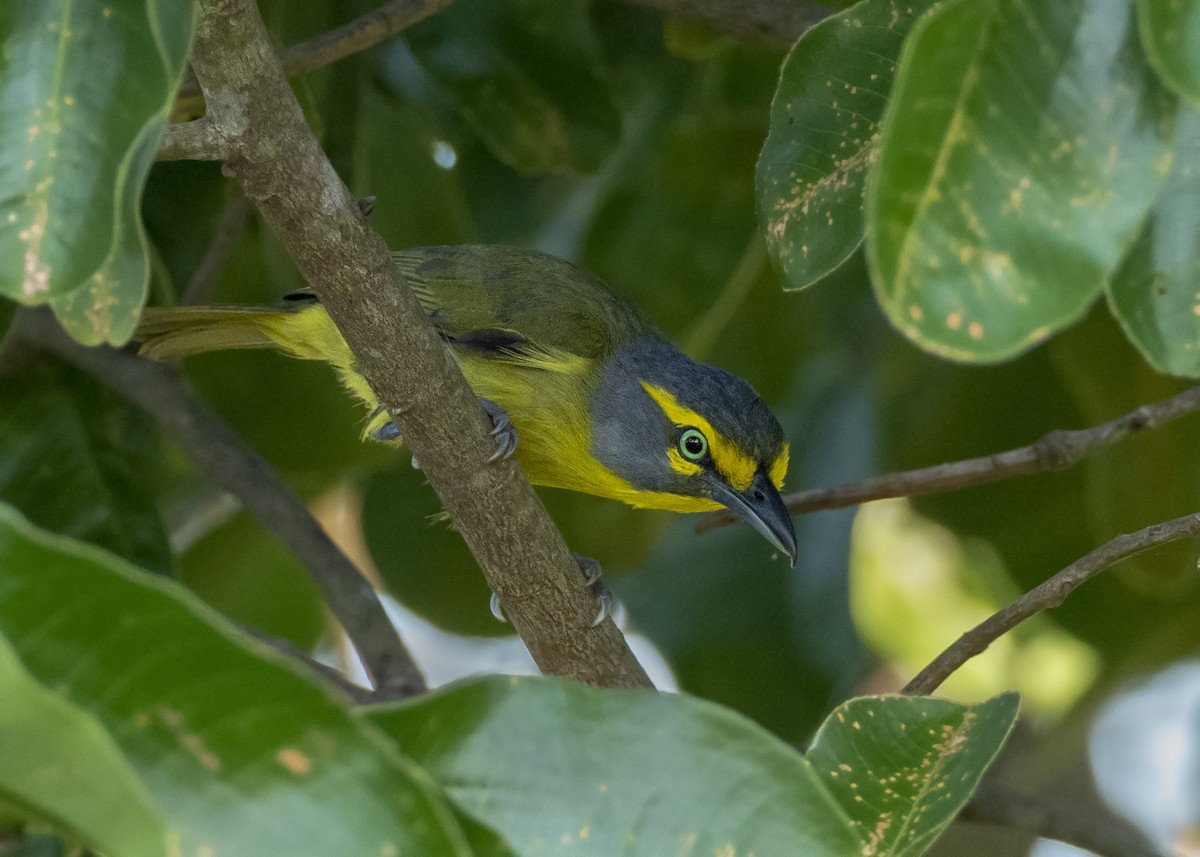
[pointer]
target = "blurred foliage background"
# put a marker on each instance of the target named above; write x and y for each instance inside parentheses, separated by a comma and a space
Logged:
(627, 142)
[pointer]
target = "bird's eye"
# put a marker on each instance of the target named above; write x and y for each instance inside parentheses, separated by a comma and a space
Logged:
(693, 445)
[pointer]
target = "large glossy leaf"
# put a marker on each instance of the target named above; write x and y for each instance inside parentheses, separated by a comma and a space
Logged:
(59, 765)
(84, 91)
(77, 459)
(554, 765)
(1021, 148)
(832, 92)
(1171, 35)
(243, 753)
(1156, 293)
(528, 77)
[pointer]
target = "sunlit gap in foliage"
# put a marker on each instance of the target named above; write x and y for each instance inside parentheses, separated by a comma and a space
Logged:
(1145, 752)
(443, 656)
(444, 155)
(915, 586)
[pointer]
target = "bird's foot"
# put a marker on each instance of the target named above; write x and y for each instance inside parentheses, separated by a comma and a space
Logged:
(592, 575)
(503, 430)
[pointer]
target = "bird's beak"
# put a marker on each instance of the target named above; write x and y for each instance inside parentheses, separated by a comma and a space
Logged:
(763, 509)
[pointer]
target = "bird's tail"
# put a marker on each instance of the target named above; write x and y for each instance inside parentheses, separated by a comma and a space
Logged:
(168, 333)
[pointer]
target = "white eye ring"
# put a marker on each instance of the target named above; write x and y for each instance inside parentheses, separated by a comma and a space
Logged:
(693, 445)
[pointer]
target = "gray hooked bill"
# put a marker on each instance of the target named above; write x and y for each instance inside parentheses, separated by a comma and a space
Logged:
(762, 508)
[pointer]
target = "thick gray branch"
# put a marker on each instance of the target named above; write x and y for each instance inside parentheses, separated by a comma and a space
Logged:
(197, 140)
(282, 169)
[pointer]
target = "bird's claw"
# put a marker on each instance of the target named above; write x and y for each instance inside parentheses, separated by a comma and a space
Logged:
(502, 429)
(386, 432)
(592, 577)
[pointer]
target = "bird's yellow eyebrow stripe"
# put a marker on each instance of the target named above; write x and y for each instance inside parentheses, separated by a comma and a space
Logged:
(735, 465)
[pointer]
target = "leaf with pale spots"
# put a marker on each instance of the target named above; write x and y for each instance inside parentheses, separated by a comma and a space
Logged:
(244, 753)
(59, 766)
(1021, 148)
(1171, 35)
(555, 766)
(1156, 293)
(84, 95)
(832, 92)
(903, 767)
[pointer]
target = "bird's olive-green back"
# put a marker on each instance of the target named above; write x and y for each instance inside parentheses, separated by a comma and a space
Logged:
(478, 294)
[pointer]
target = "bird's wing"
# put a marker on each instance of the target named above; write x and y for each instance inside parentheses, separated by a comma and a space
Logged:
(518, 304)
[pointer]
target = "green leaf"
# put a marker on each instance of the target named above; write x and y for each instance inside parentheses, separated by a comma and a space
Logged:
(75, 458)
(552, 766)
(245, 754)
(832, 92)
(902, 767)
(1171, 36)
(1156, 293)
(1021, 149)
(58, 763)
(526, 74)
(556, 766)
(249, 576)
(84, 94)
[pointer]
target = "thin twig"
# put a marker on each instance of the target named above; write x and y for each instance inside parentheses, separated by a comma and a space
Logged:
(363, 32)
(197, 140)
(1091, 828)
(1057, 450)
(778, 23)
(232, 223)
(1047, 595)
(232, 465)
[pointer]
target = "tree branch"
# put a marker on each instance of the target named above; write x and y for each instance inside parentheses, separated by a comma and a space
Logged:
(363, 32)
(1055, 451)
(1047, 595)
(197, 140)
(282, 169)
(232, 465)
(1089, 828)
(777, 22)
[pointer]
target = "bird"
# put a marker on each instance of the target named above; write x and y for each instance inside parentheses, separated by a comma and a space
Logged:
(582, 389)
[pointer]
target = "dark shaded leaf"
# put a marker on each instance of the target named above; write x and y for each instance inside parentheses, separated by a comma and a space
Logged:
(77, 459)
(1171, 36)
(527, 76)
